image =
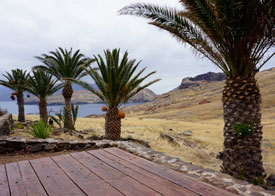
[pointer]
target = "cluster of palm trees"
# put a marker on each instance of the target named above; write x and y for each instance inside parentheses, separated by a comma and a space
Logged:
(47, 79)
(115, 79)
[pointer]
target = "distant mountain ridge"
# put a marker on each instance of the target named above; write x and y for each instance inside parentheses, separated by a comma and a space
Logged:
(84, 97)
(6, 92)
(197, 80)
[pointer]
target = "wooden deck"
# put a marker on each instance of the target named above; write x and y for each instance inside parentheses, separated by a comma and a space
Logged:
(105, 172)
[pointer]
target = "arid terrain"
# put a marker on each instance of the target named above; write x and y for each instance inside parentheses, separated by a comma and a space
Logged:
(188, 123)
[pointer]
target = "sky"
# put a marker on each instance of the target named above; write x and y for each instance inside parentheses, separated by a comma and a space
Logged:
(29, 28)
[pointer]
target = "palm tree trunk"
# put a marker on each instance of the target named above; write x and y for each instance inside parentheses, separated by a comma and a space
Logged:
(43, 110)
(68, 108)
(112, 124)
(241, 104)
(20, 103)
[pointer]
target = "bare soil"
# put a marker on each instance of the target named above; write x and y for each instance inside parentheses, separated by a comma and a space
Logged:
(20, 156)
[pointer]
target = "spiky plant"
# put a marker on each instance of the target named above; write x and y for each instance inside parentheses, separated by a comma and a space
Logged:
(117, 84)
(236, 36)
(42, 84)
(65, 64)
(17, 80)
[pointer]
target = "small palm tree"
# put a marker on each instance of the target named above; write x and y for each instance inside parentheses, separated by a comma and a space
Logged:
(42, 85)
(117, 84)
(65, 64)
(236, 36)
(17, 80)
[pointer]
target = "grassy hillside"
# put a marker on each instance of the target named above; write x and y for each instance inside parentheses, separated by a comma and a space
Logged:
(203, 102)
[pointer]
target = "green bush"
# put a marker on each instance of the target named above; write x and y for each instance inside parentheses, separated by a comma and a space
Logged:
(41, 130)
(20, 126)
(243, 130)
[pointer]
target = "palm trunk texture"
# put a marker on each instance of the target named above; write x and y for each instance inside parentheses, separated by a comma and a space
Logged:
(20, 102)
(43, 110)
(112, 124)
(241, 104)
(67, 93)
(68, 107)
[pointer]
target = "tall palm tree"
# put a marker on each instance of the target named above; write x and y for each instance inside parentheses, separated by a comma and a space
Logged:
(17, 80)
(236, 36)
(42, 85)
(65, 64)
(117, 84)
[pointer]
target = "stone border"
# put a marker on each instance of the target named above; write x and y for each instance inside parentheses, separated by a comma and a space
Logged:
(224, 181)
(6, 123)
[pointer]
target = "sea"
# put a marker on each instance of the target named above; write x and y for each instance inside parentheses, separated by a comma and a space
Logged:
(83, 111)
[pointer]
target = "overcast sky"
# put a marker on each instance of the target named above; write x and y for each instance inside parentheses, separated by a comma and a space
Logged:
(29, 28)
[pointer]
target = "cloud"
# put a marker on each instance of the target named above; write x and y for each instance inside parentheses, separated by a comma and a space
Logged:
(32, 27)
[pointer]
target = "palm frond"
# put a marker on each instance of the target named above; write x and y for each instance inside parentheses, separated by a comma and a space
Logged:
(114, 78)
(235, 35)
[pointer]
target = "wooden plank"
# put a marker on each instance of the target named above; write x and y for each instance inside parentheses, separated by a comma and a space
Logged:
(157, 183)
(126, 185)
(31, 182)
(101, 169)
(84, 178)
(16, 183)
(4, 186)
(171, 175)
(53, 178)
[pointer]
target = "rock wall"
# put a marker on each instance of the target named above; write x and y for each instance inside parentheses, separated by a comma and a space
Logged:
(6, 123)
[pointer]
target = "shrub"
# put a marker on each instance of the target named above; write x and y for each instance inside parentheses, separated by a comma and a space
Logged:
(20, 126)
(243, 130)
(41, 130)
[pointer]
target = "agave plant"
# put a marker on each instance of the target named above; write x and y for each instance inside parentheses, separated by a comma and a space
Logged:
(17, 80)
(117, 84)
(41, 130)
(42, 85)
(236, 36)
(65, 64)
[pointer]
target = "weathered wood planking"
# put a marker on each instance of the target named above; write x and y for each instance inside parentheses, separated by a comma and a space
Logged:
(53, 178)
(171, 175)
(84, 178)
(125, 184)
(4, 186)
(17, 187)
(30, 180)
(148, 179)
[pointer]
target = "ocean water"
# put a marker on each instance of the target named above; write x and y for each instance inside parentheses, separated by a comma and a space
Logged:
(84, 109)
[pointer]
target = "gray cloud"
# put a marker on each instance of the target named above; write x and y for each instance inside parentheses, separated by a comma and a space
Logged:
(32, 27)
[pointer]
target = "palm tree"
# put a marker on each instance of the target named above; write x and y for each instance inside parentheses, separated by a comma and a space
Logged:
(17, 80)
(236, 36)
(42, 85)
(65, 64)
(117, 84)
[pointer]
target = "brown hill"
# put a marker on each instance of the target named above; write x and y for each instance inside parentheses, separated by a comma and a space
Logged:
(84, 96)
(200, 99)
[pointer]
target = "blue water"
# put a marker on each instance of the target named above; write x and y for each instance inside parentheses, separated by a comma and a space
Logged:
(84, 109)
